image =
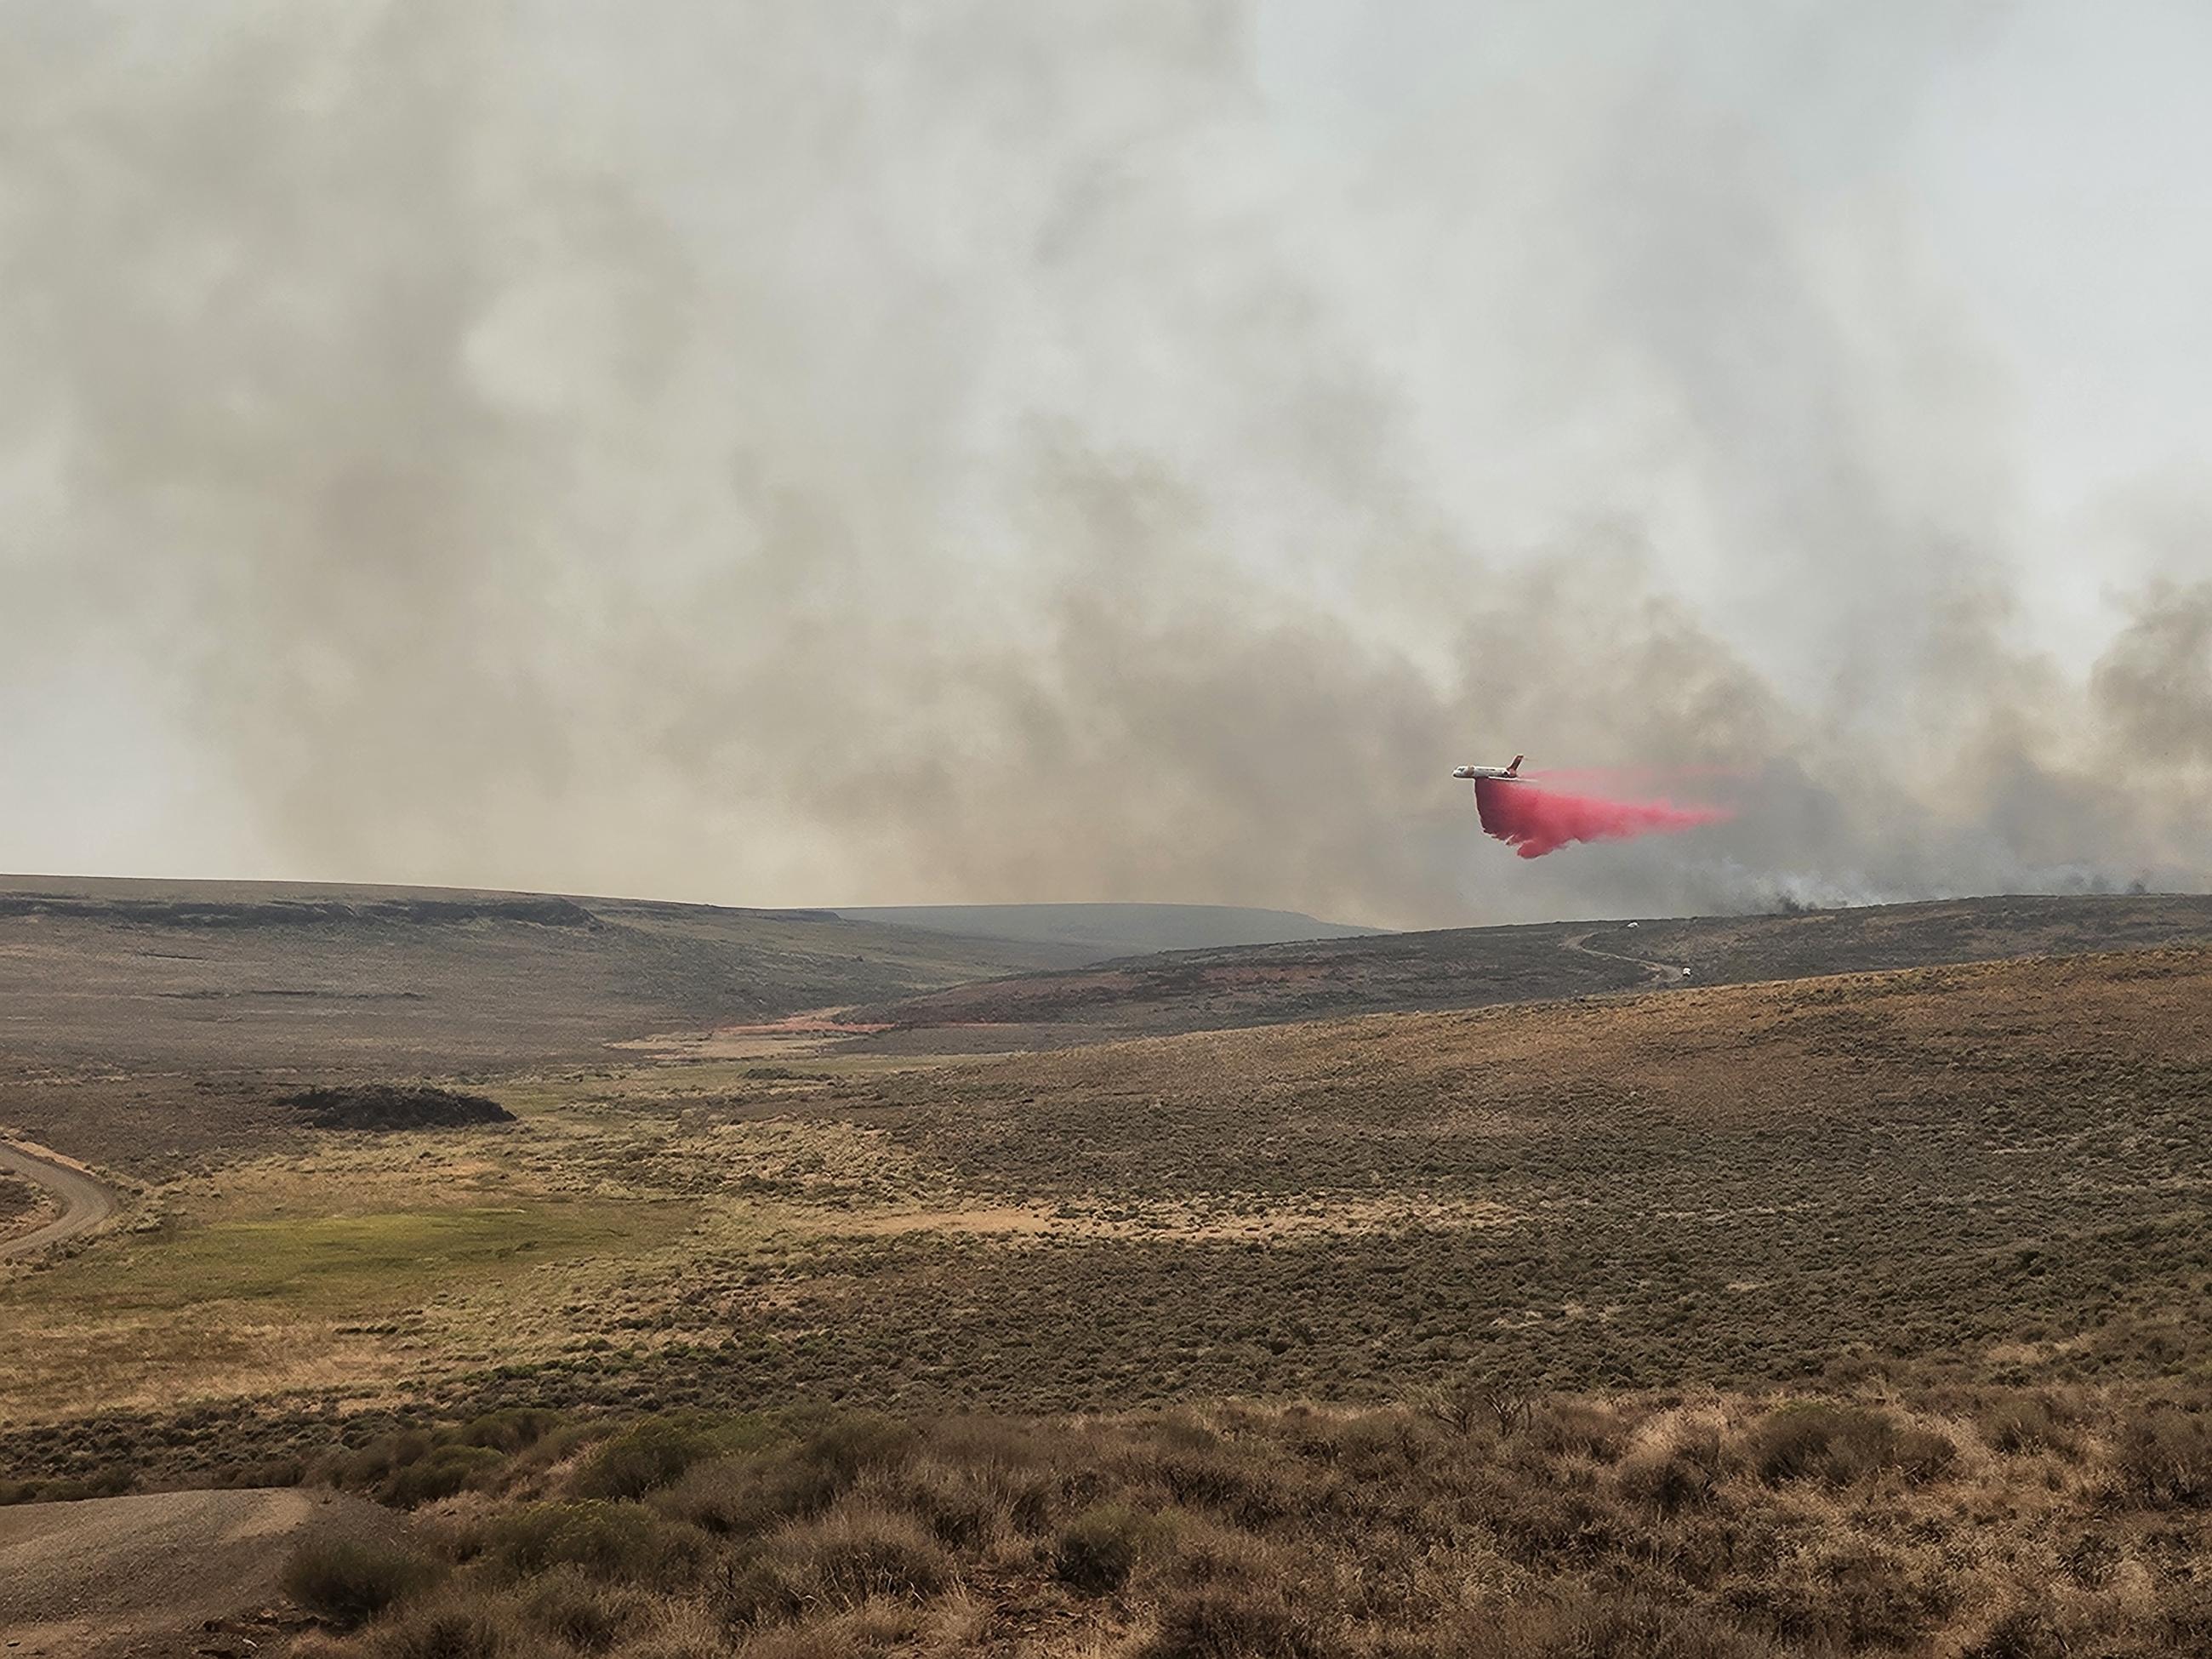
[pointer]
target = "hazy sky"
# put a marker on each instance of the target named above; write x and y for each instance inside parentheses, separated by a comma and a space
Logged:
(869, 453)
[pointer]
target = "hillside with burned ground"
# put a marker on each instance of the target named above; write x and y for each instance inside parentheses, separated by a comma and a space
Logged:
(1480, 967)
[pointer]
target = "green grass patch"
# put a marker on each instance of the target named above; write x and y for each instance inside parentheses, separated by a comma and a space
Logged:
(349, 1263)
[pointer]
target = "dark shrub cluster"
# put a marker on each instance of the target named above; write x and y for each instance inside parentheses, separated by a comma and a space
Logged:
(857, 1551)
(584, 1613)
(643, 1458)
(1582, 1625)
(409, 1467)
(1668, 1480)
(1097, 1550)
(386, 1106)
(614, 1542)
(2165, 1458)
(459, 1631)
(796, 1477)
(65, 1489)
(1238, 1621)
(351, 1580)
(511, 1429)
(2027, 1423)
(1838, 1445)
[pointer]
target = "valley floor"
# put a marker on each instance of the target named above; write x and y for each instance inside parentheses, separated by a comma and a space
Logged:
(1843, 1314)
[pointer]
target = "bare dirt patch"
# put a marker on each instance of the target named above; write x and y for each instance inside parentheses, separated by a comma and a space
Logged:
(141, 1574)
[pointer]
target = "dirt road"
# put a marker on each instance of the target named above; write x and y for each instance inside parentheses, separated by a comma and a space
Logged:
(1661, 973)
(85, 1200)
(139, 1575)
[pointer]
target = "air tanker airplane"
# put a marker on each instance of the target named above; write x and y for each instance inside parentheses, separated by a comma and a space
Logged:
(1503, 773)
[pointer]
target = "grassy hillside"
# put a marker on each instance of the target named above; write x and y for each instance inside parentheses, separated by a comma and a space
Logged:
(1478, 967)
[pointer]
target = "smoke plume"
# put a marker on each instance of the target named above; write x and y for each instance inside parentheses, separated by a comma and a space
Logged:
(836, 453)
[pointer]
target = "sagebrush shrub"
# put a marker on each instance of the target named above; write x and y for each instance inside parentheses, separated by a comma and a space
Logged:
(1839, 1444)
(441, 1473)
(2185, 1617)
(1194, 1550)
(620, 1543)
(456, 1631)
(1096, 1551)
(965, 1507)
(350, 1581)
(510, 1429)
(1666, 1480)
(2029, 1631)
(1613, 1626)
(1581, 1428)
(753, 1492)
(1242, 1486)
(587, 1616)
(846, 1445)
(2165, 1459)
(2025, 1423)
(1236, 1621)
(727, 1496)
(641, 1459)
(862, 1551)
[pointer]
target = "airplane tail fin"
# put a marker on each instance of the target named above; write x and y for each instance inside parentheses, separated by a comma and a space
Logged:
(1514, 770)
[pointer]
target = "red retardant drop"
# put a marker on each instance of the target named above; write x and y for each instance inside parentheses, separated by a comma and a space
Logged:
(1534, 822)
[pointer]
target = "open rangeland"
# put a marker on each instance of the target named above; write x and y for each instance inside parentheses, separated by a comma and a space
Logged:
(1855, 1313)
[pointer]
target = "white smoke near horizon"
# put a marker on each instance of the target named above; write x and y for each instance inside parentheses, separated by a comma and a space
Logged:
(862, 454)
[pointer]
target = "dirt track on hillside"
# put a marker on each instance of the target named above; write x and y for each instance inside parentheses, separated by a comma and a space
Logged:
(1659, 973)
(85, 1200)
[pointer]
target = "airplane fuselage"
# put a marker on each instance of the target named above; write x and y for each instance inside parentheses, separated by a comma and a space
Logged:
(1502, 774)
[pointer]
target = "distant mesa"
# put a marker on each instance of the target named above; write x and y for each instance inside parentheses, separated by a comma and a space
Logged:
(261, 905)
(1104, 931)
(385, 1106)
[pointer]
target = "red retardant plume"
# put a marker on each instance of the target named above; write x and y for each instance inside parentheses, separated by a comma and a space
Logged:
(1534, 822)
